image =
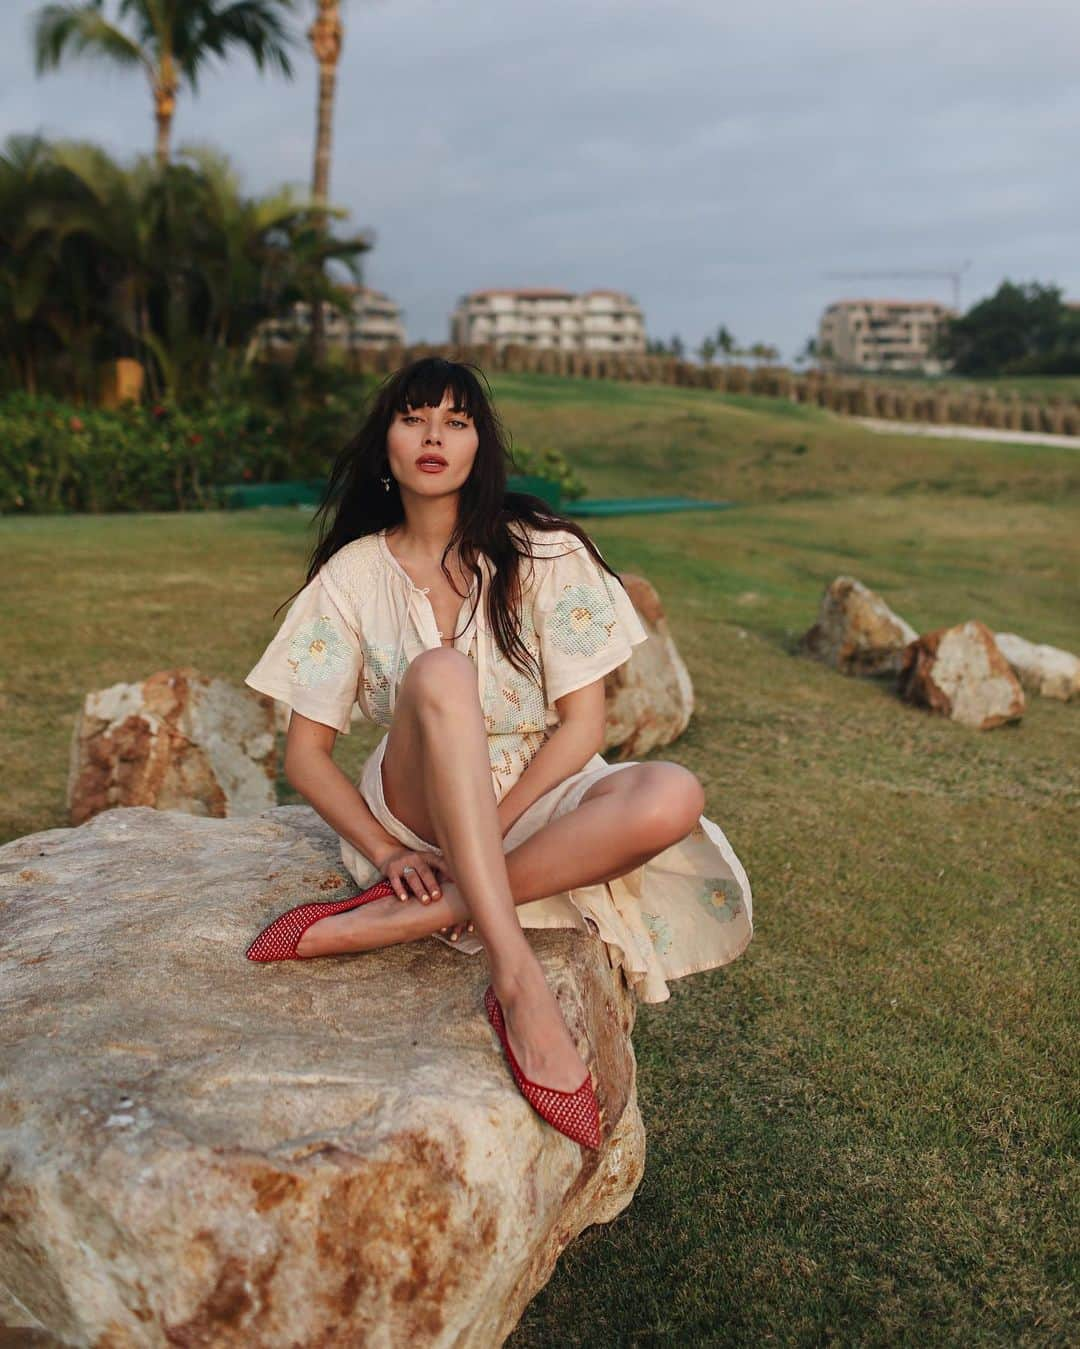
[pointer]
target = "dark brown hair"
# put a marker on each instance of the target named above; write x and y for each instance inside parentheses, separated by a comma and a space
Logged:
(355, 502)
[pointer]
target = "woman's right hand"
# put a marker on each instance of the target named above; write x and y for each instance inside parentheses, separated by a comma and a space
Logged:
(421, 882)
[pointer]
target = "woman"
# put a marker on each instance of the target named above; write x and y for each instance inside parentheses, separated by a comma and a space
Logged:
(478, 625)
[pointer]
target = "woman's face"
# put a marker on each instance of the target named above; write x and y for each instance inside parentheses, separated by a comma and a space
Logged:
(431, 450)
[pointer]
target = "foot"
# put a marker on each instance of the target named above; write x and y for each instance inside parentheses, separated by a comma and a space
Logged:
(538, 1035)
(383, 922)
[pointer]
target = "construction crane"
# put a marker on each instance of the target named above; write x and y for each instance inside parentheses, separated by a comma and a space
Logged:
(944, 275)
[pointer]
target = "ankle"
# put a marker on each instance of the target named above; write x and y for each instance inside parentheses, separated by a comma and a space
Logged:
(517, 974)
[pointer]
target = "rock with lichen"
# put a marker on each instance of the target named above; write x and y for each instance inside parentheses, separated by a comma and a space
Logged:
(201, 1150)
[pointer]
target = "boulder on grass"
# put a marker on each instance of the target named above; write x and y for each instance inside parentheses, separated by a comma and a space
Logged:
(177, 741)
(199, 1150)
(649, 699)
(856, 632)
(1046, 670)
(960, 673)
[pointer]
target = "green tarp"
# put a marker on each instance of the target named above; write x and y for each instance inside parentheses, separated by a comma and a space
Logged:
(241, 496)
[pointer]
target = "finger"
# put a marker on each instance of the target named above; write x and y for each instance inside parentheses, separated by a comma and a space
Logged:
(431, 885)
(400, 888)
(413, 880)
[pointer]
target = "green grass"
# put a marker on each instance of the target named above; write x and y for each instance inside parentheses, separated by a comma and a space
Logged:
(863, 1131)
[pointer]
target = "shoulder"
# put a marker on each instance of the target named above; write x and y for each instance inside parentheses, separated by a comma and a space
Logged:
(548, 544)
(350, 573)
(356, 559)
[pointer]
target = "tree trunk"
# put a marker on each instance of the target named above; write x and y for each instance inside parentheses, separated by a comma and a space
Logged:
(165, 86)
(325, 35)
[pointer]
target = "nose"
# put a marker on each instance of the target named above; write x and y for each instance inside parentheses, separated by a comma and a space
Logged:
(432, 437)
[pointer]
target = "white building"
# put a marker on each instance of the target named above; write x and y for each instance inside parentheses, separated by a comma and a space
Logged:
(881, 335)
(373, 321)
(599, 320)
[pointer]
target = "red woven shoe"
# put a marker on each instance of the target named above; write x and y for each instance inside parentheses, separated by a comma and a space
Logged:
(574, 1113)
(280, 940)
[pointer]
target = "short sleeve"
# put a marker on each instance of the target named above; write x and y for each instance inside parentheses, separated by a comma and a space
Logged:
(584, 619)
(313, 663)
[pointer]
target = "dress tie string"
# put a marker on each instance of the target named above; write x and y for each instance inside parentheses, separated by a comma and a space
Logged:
(477, 624)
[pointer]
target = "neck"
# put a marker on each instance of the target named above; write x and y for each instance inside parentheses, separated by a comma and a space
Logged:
(428, 524)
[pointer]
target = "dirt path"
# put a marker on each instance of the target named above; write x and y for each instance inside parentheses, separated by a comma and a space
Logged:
(968, 432)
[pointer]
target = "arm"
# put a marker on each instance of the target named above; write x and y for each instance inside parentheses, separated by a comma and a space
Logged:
(579, 735)
(310, 768)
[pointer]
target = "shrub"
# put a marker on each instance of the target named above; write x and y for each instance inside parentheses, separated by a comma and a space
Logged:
(56, 457)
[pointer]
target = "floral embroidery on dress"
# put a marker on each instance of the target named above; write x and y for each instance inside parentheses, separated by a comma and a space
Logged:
(317, 652)
(510, 754)
(721, 897)
(583, 620)
(376, 679)
(659, 931)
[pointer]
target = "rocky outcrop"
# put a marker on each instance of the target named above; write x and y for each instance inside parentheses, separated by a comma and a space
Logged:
(648, 700)
(1047, 671)
(960, 673)
(177, 741)
(856, 632)
(198, 1150)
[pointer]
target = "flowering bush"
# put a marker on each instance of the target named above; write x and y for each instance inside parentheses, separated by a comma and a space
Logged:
(56, 458)
(553, 465)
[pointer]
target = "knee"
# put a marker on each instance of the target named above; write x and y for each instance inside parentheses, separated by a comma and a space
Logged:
(440, 679)
(669, 801)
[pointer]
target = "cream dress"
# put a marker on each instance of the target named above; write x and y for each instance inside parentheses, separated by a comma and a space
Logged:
(349, 637)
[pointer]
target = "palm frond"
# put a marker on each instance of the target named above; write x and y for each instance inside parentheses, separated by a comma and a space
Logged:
(82, 30)
(257, 25)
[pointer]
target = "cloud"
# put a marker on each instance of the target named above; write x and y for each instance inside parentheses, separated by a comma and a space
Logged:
(715, 163)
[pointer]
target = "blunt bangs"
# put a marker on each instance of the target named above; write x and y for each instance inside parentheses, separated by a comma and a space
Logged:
(432, 379)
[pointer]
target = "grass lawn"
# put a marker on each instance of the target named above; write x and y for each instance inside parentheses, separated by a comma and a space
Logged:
(864, 1130)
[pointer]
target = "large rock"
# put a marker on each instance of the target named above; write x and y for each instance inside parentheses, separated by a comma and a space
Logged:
(960, 673)
(177, 741)
(1046, 670)
(649, 699)
(856, 632)
(198, 1150)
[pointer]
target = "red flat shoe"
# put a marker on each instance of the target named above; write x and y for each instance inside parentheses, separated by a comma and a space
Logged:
(280, 940)
(574, 1113)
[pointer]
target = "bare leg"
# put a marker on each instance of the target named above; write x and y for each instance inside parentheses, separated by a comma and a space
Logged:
(621, 821)
(443, 791)
(442, 788)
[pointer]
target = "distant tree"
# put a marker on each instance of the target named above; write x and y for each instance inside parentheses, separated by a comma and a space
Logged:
(725, 342)
(170, 40)
(707, 350)
(809, 352)
(1019, 329)
(676, 348)
(174, 266)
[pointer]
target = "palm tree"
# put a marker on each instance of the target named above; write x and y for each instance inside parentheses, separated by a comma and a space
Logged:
(707, 350)
(177, 267)
(725, 342)
(325, 36)
(171, 40)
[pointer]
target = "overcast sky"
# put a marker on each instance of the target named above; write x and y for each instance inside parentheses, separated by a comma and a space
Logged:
(713, 160)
